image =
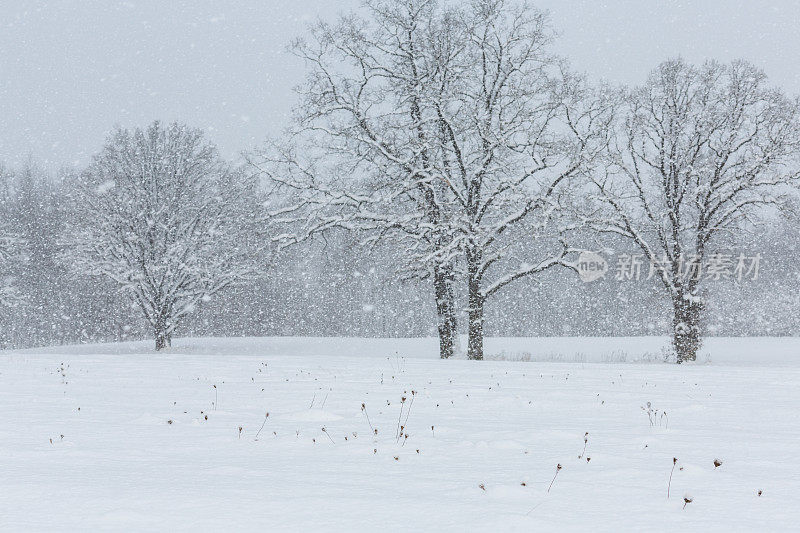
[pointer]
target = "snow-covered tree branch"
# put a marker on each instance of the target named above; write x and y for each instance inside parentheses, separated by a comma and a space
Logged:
(698, 151)
(441, 128)
(167, 220)
(10, 244)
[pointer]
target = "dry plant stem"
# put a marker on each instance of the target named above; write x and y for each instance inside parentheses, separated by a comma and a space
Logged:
(262, 425)
(399, 418)
(410, 405)
(674, 461)
(364, 408)
(558, 469)
(397, 432)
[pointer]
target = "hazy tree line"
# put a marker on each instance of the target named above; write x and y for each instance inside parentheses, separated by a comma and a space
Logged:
(334, 288)
(443, 174)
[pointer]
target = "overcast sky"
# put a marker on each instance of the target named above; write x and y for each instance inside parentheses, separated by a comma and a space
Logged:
(71, 70)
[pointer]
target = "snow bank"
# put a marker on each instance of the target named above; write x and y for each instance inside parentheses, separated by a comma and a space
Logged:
(758, 351)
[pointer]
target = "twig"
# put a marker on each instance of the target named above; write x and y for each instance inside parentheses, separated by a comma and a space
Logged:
(410, 405)
(262, 424)
(558, 469)
(534, 508)
(674, 462)
(400, 417)
(364, 410)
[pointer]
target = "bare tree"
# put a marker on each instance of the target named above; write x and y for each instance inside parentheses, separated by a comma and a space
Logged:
(443, 128)
(698, 152)
(515, 131)
(389, 215)
(10, 242)
(165, 218)
(369, 159)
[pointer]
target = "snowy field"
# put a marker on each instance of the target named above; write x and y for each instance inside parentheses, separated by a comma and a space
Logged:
(113, 437)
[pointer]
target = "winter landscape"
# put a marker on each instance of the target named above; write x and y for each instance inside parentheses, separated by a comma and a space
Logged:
(393, 265)
(303, 434)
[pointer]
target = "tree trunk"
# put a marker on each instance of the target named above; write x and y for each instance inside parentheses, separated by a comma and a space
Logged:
(163, 337)
(445, 310)
(162, 340)
(475, 311)
(686, 332)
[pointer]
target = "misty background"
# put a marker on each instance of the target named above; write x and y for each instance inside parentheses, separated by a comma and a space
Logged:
(71, 71)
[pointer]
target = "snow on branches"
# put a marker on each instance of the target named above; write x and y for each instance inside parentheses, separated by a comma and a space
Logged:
(10, 245)
(443, 130)
(165, 218)
(9, 250)
(697, 152)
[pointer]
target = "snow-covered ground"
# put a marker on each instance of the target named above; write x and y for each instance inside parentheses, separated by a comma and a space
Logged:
(116, 437)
